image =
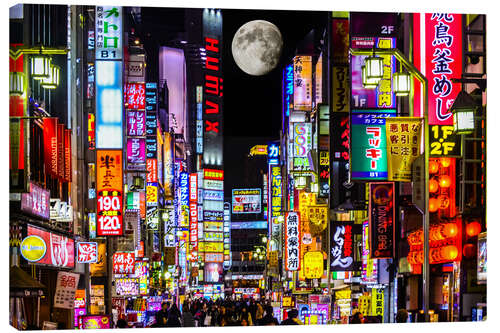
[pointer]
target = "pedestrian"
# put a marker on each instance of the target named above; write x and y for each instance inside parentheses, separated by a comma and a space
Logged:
(402, 316)
(162, 315)
(121, 323)
(174, 317)
(187, 316)
(259, 312)
(292, 318)
(245, 316)
(357, 318)
(268, 319)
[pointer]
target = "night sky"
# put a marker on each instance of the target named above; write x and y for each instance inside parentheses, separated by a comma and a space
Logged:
(252, 104)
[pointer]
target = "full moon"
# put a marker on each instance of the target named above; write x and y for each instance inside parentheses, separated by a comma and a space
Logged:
(257, 47)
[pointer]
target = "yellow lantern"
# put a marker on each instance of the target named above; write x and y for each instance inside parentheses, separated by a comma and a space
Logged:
(16, 83)
(40, 66)
(401, 83)
(53, 80)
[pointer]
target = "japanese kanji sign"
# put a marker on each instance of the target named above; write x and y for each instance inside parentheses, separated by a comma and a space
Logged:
(246, 201)
(127, 286)
(377, 302)
(382, 215)
(302, 83)
(109, 192)
(342, 246)
(340, 137)
(443, 142)
(136, 150)
(340, 86)
(108, 26)
(86, 252)
(369, 151)
(313, 264)
(292, 241)
(441, 50)
(302, 145)
(136, 123)
(403, 136)
(66, 286)
(135, 96)
(123, 263)
(50, 145)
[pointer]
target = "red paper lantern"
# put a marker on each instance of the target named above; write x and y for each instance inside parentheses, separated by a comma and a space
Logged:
(444, 181)
(433, 205)
(449, 252)
(445, 162)
(443, 201)
(473, 229)
(450, 230)
(433, 166)
(433, 186)
(469, 250)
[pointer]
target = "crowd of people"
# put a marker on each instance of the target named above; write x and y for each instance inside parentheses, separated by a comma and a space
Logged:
(201, 312)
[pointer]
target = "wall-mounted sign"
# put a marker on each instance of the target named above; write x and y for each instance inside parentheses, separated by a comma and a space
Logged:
(36, 202)
(50, 145)
(368, 145)
(382, 217)
(209, 184)
(135, 96)
(340, 131)
(33, 248)
(292, 241)
(443, 142)
(123, 263)
(136, 150)
(151, 194)
(213, 215)
(86, 252)
(342, 246)
(151, 123)
(287, 90)
(109, 104)
(213, 174)
(109, 192)
(65, 290)
(109, 33)
(214, 257)
(403, 136)
(91, 131)
(246, 201)
(127, 287)
(302, 83)
(438, 42)
(313, 264)
(95, 322)
(340, 89)
(152, 218)
(152, 168)
(136, 123)
(60, 250)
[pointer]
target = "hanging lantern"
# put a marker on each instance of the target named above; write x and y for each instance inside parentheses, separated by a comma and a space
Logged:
(40, 66)
(402, 84)
(469, 250)
(444, 181)
(374, 68)
(433, 186)
(473, 229)
(445, 161)
(433, 167)
(450, 230)
(16, 83)
(300, 182)
(433, 205)
(449, 252)
(463, 109)
(368, 83)
(443, 201)
(53, 80)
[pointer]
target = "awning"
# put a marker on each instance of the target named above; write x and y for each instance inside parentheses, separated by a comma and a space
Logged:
(22, 284)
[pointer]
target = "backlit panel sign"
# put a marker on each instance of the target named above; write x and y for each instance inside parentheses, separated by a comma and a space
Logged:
(152, 168)
(36, 202)
(136, 123)
(382, 97)
(168, 166)
(438, 55)
(108, 33)
(302, 83)
(369, 148)
(246, 201)
(109, 105)
(50, 145)
(135, 96)
(382, 219)
(151, 96)
(59, 250)
(213, 195)
(127, 286)
(136, 150)
(86, 252)
(342, 246)
(216, 185)
(287, 90)
(123, 263)
(109, 192)
(292, 241)
(213, 174)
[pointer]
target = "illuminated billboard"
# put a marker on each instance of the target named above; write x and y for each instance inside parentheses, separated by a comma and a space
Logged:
(246, 201)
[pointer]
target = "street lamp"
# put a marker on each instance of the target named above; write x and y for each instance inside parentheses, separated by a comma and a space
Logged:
(53, 80)
(374, 68)
(40, 66)
(368, 83)
(463, 109)
(402, 83)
